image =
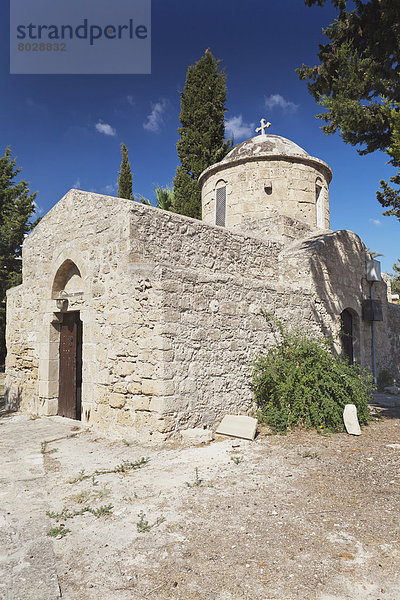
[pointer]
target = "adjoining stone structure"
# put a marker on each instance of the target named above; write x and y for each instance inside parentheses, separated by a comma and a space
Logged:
(170, 308)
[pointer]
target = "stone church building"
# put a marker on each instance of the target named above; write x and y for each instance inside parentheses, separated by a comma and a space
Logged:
(142, 322)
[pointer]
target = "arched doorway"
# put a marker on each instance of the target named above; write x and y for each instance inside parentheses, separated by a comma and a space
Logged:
(68, 284)
(347, 334)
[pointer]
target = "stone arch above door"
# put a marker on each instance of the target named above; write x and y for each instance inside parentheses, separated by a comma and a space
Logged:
(68, 274)
(68, 279)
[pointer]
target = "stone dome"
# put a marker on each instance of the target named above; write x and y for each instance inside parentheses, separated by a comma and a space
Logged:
(266, 147)
(262, 145)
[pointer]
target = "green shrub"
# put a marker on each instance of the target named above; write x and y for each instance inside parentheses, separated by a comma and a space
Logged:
(300, 383)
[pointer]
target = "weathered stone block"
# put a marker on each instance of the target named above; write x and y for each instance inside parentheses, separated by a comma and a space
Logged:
(117, 400)
(125, 418)
(140, 403)
(123, 368)
(196, 436)
(134, 387)
(49, 407)
(238, 426)
(157, 388)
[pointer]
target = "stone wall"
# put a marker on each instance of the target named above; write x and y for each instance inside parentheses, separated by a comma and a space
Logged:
(215, 284)
(171, 311)
(333, 267)
(393, 333)
(92, 232)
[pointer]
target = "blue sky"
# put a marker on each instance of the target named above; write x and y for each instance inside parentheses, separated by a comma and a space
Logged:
(66, 130)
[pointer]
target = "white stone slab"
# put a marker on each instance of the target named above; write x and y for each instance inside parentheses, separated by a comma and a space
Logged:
(238, 426)
(351, 420)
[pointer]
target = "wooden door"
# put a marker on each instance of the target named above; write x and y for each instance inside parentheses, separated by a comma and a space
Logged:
(347, 334)
(70, 381)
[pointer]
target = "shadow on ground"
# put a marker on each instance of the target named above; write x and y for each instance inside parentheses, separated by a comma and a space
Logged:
(386, 405)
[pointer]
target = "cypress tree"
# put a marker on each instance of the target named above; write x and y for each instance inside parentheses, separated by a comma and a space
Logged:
(201, 142)
(125, 176)
(16, 208)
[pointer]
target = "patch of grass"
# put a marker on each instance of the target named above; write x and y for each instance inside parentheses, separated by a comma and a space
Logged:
(65, 514)
(197, 481)
(82, 497)
(237, 459)
(130, 498)
(143, 526)
(44, 450)
(309, 454)
(90, 495)
(58, 532)
(124, 441)
(80, 477)
(124, 467)
(102, 511)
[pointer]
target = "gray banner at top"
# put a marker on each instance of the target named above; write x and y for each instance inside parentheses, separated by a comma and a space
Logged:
(80, 37)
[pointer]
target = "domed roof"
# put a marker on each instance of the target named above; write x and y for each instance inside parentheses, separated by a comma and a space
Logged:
(275, 145)
(266, 147)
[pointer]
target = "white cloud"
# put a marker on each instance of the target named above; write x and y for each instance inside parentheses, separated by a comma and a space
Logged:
(375, 222)
(77, 184)
(105, 128)
(278, 101)
(154, 120)
(111, 188)
(130, 100)
(238, 129)
(38, 211)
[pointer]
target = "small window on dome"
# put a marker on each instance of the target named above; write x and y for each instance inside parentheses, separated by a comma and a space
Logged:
(319, 204)
(220, 206)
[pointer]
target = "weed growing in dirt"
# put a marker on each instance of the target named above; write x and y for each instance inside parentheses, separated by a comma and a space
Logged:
(102, 511)
(90, 495)
(130, 499)
(237, 459)
(44, 450)
(81, 498)
(126, 442)
(58, 532)
(143, 526)
(125, 467)
(65, 514)
(309, 454)
(197, 481)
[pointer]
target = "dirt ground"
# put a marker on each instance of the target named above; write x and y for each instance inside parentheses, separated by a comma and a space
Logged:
(302, 516)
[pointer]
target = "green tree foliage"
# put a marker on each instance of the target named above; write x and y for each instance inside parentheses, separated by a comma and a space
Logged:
(125, 176)
(358, 83)
(395, 277)
(202, 130)
(300, 383)
(16, 208)
(164, 198)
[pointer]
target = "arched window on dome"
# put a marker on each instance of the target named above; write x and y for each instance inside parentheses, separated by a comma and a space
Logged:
(220, 203)
(319, 203)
